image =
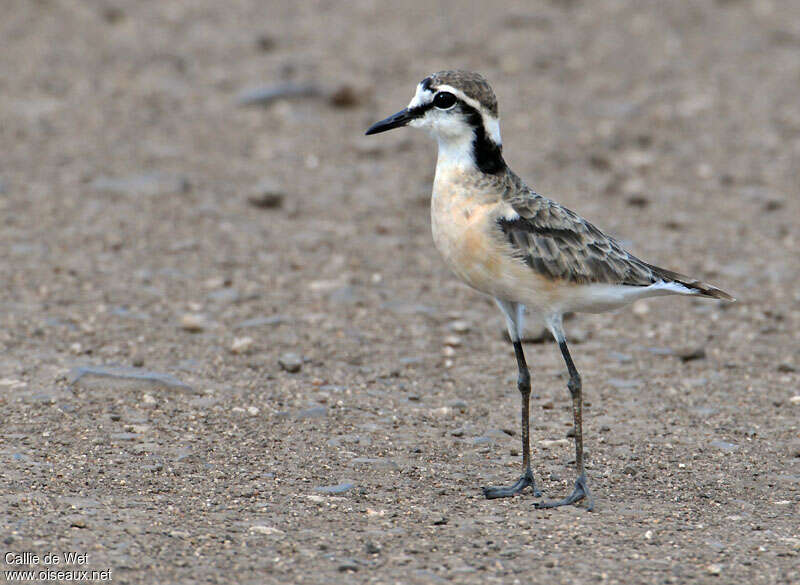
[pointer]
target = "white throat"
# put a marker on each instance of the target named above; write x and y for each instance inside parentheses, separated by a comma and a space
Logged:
(456, 151)
(455, 137)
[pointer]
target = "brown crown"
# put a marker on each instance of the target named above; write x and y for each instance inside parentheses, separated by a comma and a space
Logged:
(472, 84)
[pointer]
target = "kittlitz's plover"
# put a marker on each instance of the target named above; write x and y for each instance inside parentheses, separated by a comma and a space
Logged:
(523, 249)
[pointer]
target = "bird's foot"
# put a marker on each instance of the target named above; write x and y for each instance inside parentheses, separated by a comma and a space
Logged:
(581, 492)
(526, 480)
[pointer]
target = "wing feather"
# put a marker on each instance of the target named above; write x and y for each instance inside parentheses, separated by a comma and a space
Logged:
(557, 243)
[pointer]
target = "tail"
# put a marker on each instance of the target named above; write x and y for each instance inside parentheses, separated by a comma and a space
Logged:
(697, 287)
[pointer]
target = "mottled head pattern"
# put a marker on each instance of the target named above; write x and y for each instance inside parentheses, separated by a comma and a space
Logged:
(472, 84)
(459, 109)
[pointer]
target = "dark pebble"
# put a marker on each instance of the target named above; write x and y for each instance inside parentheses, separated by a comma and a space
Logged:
(266, 200)
(265, 43)
(638, 201)
(690, 354)
(345, 96)
(346, 565)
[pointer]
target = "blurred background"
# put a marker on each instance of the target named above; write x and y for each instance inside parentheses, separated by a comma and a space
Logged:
(185, 189)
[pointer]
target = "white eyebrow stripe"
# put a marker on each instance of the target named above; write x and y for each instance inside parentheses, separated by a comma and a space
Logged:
(422, 97)
(490, 123)
(461, 95)
(492, 126)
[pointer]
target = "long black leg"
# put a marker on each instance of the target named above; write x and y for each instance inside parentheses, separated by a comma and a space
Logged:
(581, 488)
(524, 386)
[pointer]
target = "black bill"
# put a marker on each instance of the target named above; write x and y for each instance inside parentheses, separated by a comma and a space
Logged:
(397, 120)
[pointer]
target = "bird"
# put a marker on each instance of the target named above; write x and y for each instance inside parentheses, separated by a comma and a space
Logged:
(528, 252)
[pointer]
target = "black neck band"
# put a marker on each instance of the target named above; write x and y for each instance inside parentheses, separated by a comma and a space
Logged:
(487, 153)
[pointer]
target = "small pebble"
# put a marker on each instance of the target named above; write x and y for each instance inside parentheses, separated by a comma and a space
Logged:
(291, 362)
(448, 351)
(689, 354)
(460, 326)
(452, 341)
(252, 410)
(268, 194)
(345, 96)
(265, 43)
(724, 445)
(193, 322)
(121, 377)
(315, 412)
(334, 489)
(241, 345)
(795, 400)
(623, 384)
(714, 569)
(267, 94)
(547, 443)
(224, 295)
(147, 184)
(261, 529)
(348, 565)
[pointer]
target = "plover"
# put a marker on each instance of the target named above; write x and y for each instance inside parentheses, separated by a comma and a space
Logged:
(524, 250)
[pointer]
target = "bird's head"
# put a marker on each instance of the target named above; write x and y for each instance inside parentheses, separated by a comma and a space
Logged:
(459, 109)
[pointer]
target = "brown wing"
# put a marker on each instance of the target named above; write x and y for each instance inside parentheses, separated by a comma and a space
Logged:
(559, 244)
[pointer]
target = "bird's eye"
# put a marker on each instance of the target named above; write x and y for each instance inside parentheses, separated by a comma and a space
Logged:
(444, 100)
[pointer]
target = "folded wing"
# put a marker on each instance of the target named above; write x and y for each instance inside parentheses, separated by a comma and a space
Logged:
(561, 245)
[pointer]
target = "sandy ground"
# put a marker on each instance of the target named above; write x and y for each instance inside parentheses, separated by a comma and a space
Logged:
(128, 239)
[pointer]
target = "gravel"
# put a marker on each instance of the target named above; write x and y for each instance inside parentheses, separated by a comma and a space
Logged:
(127, 167)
